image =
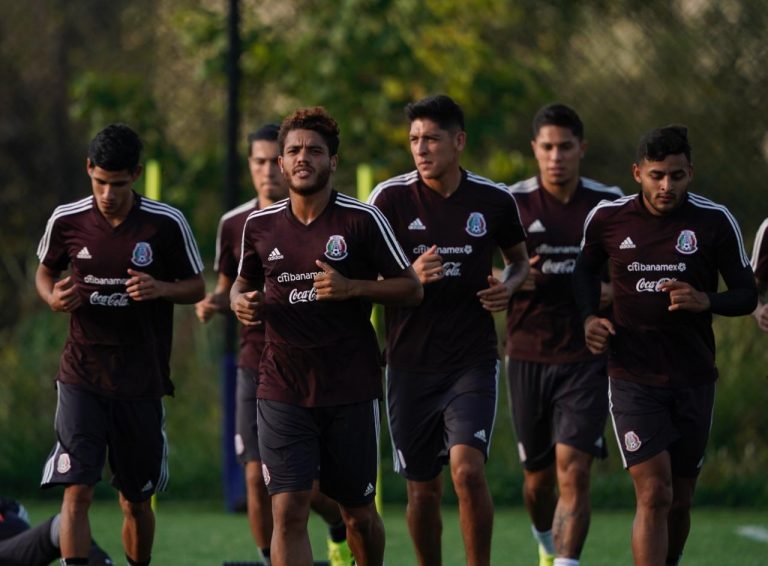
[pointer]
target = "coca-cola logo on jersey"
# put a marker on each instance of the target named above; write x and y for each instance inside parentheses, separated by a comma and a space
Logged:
(452, 269)
(305, 296)
(551, 267)
(652, 286)
(110, 300)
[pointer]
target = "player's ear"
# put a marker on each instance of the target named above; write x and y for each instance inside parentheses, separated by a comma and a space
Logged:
(280, 162)
(88, 165)
(583, 144)
(636, 172)
(334, 162)
(137, 172)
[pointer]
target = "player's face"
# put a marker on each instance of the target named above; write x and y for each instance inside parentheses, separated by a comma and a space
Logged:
(306, 163)
(664, 183)
(558, 152)
(265, 172)
(435, 151)
(112, 190)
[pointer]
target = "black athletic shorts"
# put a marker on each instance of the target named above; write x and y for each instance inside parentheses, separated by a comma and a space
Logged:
(342, 441)
(88, 425)
(246, 429)
(648, 420)
(557, 404)
(27, 546)
(429, 413)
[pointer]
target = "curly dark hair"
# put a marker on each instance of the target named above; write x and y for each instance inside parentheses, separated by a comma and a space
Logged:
(316, 119)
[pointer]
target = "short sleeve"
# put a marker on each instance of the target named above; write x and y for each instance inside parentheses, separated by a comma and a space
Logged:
(52, 249)
(760, 254)
(390, 260)
(510, 231)
(250, 266)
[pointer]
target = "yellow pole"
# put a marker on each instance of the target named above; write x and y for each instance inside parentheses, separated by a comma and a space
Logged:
(152, 190)
(364, 188)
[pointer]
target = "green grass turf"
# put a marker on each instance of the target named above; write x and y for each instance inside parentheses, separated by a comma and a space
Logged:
(203, 534)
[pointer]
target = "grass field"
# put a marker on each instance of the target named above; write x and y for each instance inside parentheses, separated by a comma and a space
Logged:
(202, 534)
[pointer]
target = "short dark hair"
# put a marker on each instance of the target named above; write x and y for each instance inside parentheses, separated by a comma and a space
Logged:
(657, 144)
(115, 148)
(441, 109)
(557, 114)
(316, 119)
(268, 132)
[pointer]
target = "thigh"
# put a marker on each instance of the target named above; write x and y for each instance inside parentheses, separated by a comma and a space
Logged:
(530, 400)
(138, 448)
(470, 408)
(349, 452)
(246, 428)
(81, 423)
(642, 420)
(415, 413)
(693, 419)
(581, 407)
(289, 445)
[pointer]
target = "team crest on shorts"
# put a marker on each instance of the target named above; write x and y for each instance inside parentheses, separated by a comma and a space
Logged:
(63, 464)
(476, 225)
(336, 248)
(142, 254)
(632, 442)
(687, 243)
(265, 473)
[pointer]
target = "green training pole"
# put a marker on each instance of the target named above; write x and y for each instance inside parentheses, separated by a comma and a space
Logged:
(364, 188)
(152, 190)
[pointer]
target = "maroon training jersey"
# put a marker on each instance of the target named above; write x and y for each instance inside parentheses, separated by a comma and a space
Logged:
(228, 241)
(760, 254)
(116, 346)
(543, 325)
(318, 353)
(450, 329)
(693, 243)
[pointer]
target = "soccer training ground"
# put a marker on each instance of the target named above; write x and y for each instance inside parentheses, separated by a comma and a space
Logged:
(203, 534)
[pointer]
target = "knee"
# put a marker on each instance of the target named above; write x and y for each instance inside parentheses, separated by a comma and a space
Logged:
(540, 485)
(135, 509)
(78, 499)
(468, 476)
(655, 494)
(424, 495)
(573, 479)
(361, 520)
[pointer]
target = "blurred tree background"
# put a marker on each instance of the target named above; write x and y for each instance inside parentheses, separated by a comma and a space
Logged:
(69, 68)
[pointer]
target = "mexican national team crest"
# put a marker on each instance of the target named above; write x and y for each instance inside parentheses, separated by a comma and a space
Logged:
(632, 442)
(687, 243)
(336, 248)
(142, 254)
(476, 225)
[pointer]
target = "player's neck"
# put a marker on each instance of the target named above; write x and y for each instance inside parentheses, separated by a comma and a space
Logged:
(306, 208)
(446, 184)
(562, 192)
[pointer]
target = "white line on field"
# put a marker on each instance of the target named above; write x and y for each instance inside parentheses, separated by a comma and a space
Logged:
(753, 532)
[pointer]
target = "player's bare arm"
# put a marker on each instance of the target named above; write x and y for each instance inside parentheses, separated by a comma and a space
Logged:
(61, 294)
(429, 266)
(496, 296)
(529, 283)
(246, 301)
(143, 287)
(217, 301)
(606, 295)
(597, 334)
(403, 290)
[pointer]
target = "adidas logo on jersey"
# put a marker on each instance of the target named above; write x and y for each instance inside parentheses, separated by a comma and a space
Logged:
(536, 226)
(274, 255)
(147, 486)
(368, 490)
(627, 244)
(480, 435)
(84, 253)
(417, 225)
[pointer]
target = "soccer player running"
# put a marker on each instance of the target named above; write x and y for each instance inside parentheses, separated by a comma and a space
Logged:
(665, 247)
(322, 258)
(270, 187)
(558, 389)
(131, 259)
(442, 361)
(760, 266)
